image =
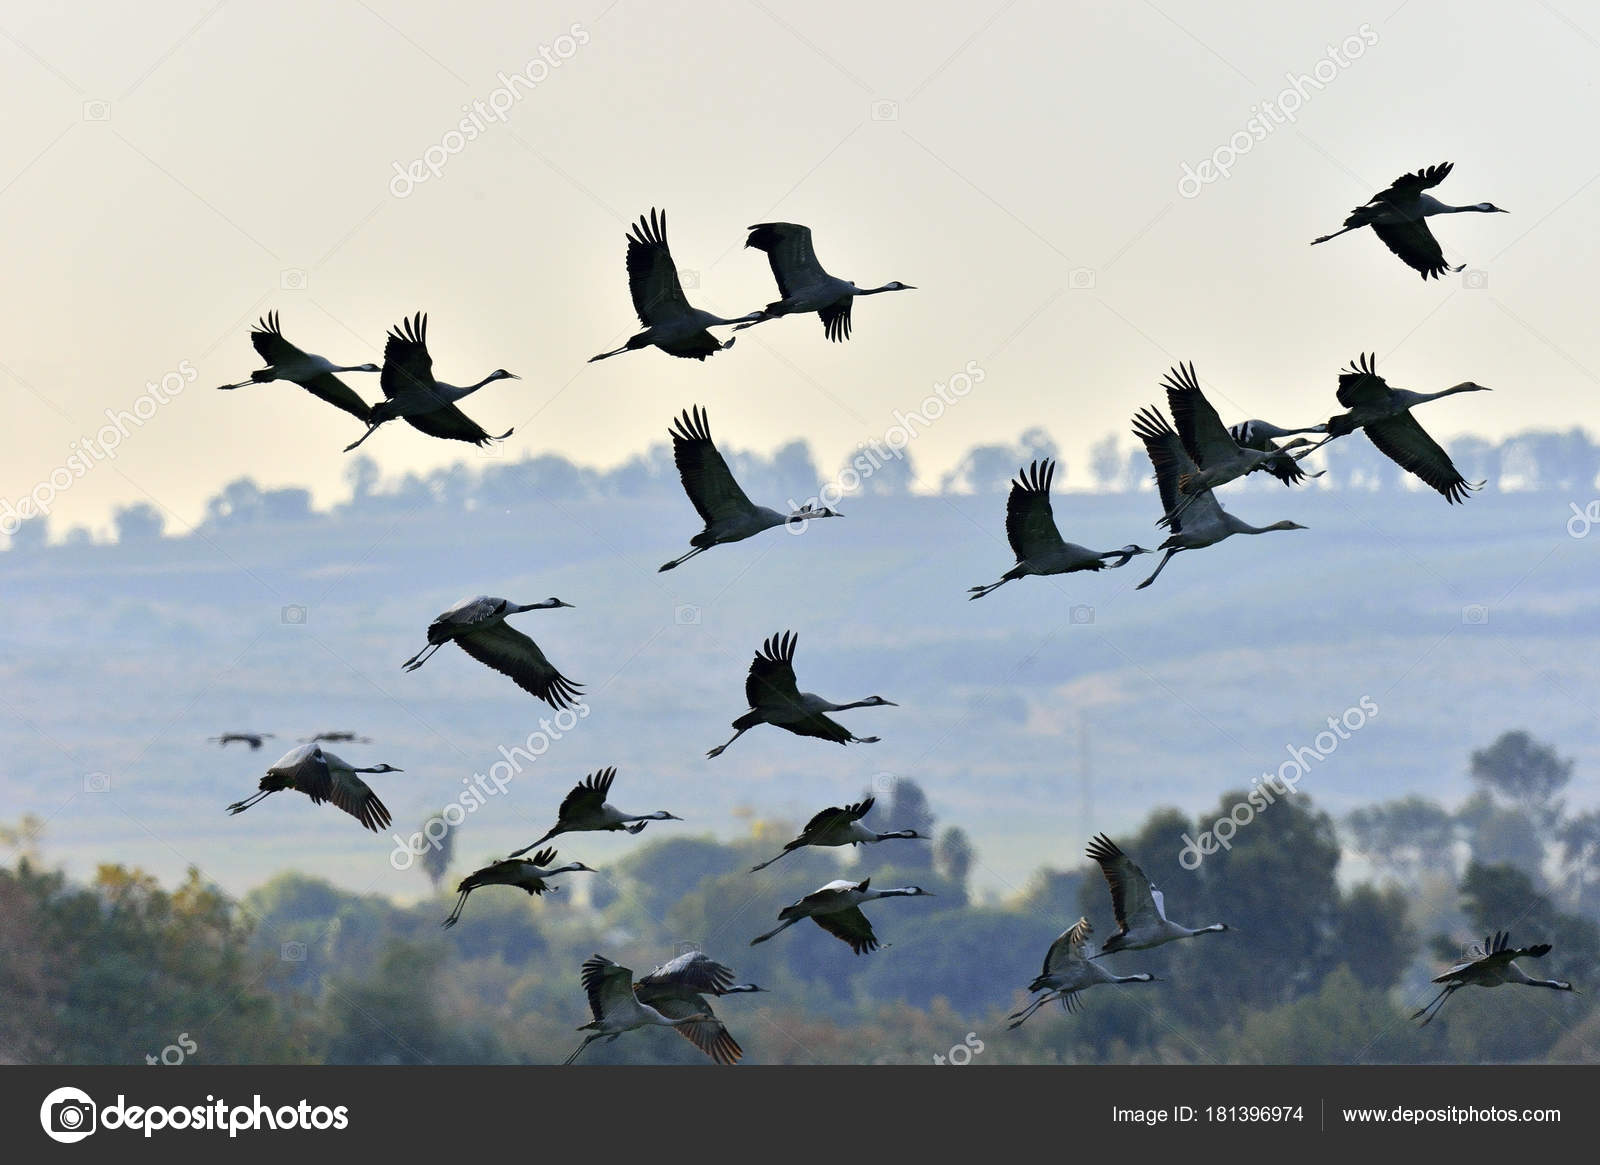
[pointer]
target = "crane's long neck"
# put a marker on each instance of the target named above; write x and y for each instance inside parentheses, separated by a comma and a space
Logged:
(854, 704)
(570, 868)
(895, 834)
(895, 892)
(451, 392)
(1518, 975)
(1451, 391)
(657, 1018)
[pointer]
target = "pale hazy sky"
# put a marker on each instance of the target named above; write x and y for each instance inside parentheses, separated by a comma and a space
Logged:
(171, 171)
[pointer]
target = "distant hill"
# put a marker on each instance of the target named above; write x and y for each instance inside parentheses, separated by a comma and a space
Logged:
(121, 659)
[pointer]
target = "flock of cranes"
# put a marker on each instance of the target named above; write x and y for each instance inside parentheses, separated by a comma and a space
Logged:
(1195, 454)
(1192, 456)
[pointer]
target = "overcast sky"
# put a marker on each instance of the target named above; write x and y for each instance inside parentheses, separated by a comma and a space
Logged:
(173, 170)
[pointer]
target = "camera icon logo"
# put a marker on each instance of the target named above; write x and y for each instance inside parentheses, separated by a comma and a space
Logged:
(1080, 615)
(883, 110)
(884, 782)
(686, 615)
(1081, 279)
(97, 783)
(1474, 615)
(294, 615)
(292, 279)
(97, 111)
(686, 947)
(1475, 279)
(292, 952)
(67, 1115)
(688, 279)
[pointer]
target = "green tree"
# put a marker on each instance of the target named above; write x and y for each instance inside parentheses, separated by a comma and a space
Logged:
(1275, 882)
(1406, 838)
(1374, 938)
(435, 860)
(1501, 834)
(1580, 851)
(1525, 772)
(139, 522)
(1345, 1020)
(655, 876)
(954, 855)
(401, 1014)
(120, 969)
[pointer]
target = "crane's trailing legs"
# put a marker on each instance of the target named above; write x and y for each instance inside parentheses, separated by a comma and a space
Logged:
(681, 559)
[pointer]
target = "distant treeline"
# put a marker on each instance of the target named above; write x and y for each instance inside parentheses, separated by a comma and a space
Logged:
(1535, 460)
